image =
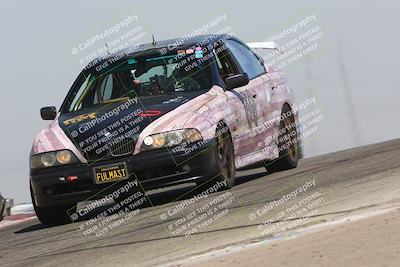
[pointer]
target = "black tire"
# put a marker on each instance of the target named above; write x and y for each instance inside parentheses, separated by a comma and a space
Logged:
(288, 144)
(2, 207)
(225, 156)
(52, 216)
(225, 167)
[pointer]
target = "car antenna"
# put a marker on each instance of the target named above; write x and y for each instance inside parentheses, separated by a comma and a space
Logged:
(105, 42)
(108, 51)
(154, 40)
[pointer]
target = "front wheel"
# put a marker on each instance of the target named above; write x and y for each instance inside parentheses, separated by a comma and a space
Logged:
(51, 216)
(225, 157)
(224, 165)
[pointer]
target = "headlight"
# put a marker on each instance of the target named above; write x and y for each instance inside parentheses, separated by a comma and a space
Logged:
(170, 139)
(48, 159)
(55, 158)
(64, 156)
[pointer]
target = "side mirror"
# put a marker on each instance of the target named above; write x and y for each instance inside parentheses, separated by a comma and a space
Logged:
(237, 80)
(48, 113)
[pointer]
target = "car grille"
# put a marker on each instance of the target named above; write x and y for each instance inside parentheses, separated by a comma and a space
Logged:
(124, 147)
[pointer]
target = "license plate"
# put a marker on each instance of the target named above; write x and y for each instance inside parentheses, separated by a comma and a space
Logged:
(110, 173)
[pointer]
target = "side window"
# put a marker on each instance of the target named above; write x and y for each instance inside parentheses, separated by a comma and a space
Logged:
(106, 88)
(225, 63)
(76, 103)
(245, 57)
(111, 87)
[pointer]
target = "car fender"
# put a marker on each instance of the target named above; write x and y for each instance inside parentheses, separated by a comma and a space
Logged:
(202, 113)
(53, 138)
(217, 110)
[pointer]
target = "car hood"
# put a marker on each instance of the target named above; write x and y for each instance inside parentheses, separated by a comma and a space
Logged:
(91, 133)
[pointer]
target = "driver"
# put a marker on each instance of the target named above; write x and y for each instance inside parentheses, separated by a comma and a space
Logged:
(137, 84)
(185, 78)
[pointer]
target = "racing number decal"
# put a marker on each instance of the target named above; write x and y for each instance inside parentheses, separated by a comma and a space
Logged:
(267, 92)
(249, 103)
(250, 107)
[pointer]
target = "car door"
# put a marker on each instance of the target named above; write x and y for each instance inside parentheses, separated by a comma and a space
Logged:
(255, 96)
(228, 67)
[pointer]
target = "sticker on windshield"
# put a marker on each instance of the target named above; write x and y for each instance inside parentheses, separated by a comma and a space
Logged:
(132, 61)
(199, 52)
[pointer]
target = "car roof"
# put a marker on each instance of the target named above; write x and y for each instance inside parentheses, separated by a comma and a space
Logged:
(182, 42)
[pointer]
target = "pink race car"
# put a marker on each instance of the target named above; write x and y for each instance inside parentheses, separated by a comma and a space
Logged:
(169, 112)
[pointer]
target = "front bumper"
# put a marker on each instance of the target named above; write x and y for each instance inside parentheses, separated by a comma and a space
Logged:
(153, 169)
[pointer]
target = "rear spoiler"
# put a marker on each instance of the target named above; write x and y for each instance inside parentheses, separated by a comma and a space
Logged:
(264, 45)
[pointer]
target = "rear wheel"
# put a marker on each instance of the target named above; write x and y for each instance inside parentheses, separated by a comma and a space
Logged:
(56, 215)
(288, 143)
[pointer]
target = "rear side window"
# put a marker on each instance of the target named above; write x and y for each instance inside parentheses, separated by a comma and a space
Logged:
(246, 59)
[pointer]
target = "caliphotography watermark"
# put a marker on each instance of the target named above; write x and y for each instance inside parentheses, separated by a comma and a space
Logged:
(199, 212)
(105, 216)
(296, 41)
(290, 211)
(118, 40)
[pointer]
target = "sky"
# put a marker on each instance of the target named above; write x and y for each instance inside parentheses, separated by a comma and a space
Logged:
(353, 72)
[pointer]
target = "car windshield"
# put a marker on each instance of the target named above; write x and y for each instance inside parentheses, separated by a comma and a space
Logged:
(147, 77)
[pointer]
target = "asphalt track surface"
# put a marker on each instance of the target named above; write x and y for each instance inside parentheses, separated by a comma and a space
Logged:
(347, 183)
